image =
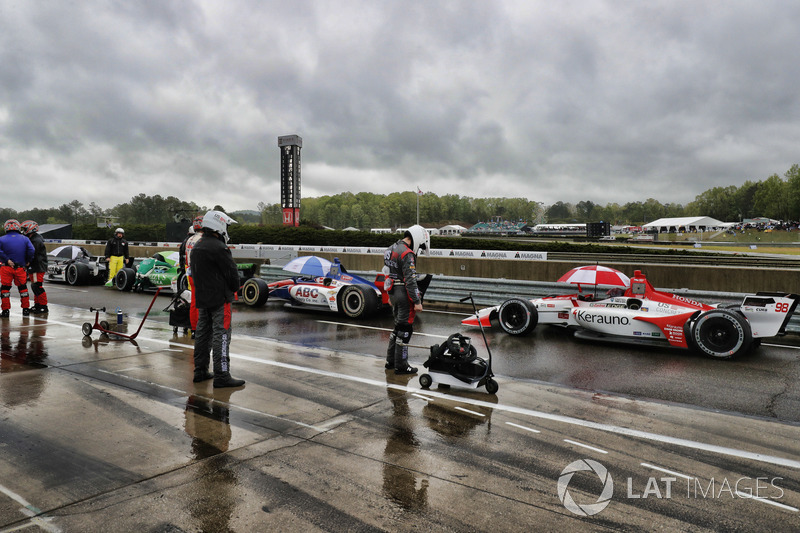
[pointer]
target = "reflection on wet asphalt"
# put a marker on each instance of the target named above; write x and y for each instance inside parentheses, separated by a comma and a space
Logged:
(99, 431)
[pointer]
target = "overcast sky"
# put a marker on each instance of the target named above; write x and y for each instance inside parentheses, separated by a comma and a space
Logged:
(611, 101)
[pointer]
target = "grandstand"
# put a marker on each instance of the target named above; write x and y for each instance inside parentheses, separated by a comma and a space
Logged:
(497, 226)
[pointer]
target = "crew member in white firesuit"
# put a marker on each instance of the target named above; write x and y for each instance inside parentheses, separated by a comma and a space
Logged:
(401, 283)
(216, 280)
(38, 267)
(117, 254)
(185, 253)
(16, 253)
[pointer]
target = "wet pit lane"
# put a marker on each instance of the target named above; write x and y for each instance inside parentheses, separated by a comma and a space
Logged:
(95, 430)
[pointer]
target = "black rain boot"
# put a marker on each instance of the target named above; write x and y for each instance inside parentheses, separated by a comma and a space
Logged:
(226, 380)
(202, 376)
(401, 365)
(390, 351)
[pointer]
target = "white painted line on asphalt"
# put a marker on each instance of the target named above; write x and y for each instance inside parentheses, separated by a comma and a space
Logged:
(29, 510)
(767, 501)
(458, 408)
(230, 405)
(423, 397)
(585, 446)
(609, 428)
(684, 476)
(67, 289)
(360, 326)
(446, 312)
(523, 427)
(781, 346)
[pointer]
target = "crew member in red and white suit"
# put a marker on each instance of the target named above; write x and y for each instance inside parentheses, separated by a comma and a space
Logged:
(185, 250)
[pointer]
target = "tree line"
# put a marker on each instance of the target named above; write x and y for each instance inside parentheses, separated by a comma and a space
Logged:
(776, 197)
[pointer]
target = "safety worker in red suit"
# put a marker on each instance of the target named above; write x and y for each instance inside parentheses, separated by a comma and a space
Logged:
(38, 266)
(16, 253)
(216, 280)
(117, 254)
(185, 252)
(400, 262)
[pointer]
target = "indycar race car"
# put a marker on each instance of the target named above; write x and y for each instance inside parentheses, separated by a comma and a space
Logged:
(163, 270)
(642, 315)
(326, 286)
(75, 265)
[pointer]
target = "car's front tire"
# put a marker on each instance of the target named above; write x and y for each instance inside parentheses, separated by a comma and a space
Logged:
(125, 279)
(77, 274)
(518, 316)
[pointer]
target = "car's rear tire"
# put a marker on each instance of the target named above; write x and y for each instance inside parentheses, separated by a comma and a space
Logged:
(255, 292)
(357, 301)
(518, 316)
(721, 334)
(125, 279)
(77, 274)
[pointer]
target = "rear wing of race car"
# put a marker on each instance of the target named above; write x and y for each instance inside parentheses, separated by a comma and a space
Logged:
(769, 312)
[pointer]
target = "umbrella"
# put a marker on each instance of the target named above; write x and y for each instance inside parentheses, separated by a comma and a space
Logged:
(595, 275)
(68, 252)
(310, 265)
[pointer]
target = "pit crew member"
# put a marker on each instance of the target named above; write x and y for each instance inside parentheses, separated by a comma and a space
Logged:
(16, 252)
(216, 280)
(117, 254)
(38, 266)
(401, 283)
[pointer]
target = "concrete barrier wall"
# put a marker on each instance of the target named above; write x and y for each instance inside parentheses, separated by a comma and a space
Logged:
(704, 278)
(697, 277)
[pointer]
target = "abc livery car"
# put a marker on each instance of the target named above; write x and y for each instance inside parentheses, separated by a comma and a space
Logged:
(334, 289)
(643, 315)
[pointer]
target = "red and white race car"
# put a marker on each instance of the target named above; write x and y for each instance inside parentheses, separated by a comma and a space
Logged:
(640, 314)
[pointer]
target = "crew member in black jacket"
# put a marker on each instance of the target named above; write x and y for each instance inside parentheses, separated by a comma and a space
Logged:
(38, 266)
(216, 280)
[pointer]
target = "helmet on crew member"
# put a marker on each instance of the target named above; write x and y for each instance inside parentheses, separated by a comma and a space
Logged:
(12, 224)
(218, 221)
(119, 230)
(197, 223)
(420, 240)
(29, 226)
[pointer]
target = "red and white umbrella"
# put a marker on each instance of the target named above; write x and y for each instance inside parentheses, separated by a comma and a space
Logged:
(596, 275)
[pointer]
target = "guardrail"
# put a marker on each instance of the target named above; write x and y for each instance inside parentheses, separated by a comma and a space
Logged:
(489, 292)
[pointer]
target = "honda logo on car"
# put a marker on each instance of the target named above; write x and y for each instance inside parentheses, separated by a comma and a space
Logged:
(592, 318)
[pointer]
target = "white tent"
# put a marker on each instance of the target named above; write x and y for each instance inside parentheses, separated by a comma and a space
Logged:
(452, 229)
(670, 225)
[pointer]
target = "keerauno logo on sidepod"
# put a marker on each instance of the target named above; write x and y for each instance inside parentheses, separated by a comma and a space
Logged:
(587, 509)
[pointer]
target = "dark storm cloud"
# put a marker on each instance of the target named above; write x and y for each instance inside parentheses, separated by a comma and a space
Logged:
(571, 101)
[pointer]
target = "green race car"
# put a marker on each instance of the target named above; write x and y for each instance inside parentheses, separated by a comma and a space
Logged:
(163, 270)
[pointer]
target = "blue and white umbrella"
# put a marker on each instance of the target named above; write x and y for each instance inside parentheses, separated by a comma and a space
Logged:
(309, 265)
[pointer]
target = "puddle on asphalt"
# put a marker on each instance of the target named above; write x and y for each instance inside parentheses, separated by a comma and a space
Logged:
(23, 349)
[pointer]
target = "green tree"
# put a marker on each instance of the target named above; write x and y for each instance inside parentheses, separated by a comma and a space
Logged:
(771, 199)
